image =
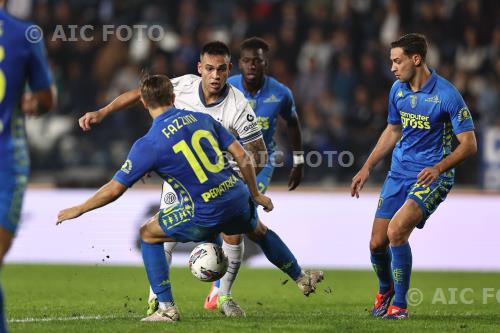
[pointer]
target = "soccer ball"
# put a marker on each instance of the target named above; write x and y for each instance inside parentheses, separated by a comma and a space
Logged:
(208, 262)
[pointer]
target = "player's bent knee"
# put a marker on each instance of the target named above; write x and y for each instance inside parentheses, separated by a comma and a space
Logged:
(259, 232)
(396, 236)
(378, 244)
(232, 239)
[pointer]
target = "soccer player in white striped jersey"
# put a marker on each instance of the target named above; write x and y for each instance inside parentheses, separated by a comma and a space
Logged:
(209, 94)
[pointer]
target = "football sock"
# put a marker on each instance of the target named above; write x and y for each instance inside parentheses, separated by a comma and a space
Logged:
(165, 305)
(234, 255)
(3, 325)
(157, 270)
(381, 262)
(401, 271)
(218, 240)
(168, 247)
(279, 254)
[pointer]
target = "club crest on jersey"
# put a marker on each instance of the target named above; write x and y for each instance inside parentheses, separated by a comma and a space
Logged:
(413, 101)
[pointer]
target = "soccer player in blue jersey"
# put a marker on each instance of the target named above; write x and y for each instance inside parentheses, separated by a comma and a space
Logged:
(269, 99)
(425, 111)
(185, 149)
(21, 62)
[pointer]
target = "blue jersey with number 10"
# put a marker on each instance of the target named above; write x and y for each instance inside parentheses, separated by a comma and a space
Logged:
(185, 149)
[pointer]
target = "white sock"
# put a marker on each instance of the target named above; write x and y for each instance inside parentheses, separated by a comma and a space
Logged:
(165, 305)
(234, 255)
(169, 248)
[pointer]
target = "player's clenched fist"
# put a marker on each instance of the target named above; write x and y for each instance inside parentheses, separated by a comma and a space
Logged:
(89, 118)
(265, 202)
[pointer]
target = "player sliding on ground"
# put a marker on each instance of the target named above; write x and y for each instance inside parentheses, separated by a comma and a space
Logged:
(184, 148)
(424, 112)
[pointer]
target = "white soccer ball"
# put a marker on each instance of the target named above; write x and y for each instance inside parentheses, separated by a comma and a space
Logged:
(208, 262)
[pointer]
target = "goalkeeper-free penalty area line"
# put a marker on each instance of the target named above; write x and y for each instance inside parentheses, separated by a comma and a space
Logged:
(49, 319)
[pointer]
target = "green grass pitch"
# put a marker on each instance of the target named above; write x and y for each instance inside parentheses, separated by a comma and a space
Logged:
(112, 299)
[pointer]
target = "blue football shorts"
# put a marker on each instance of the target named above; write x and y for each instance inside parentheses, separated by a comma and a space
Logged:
(396, 191)
(181, 225)
(264, 177)
(13, 186)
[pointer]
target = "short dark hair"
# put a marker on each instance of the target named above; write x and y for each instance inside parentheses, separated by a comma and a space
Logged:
(412, 44)
(254, 43)
(156, 90)
(215, 48)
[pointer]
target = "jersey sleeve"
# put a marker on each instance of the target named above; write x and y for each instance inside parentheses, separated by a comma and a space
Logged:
(39, 77)
(460, 117)
(288, 110)
(224, 137)
(393, 116)
(140, 160)
(245, 124)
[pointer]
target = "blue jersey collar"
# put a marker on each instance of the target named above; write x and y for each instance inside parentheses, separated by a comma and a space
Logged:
(225, 92)
(428, 86)
(164, 115)
(247, 93)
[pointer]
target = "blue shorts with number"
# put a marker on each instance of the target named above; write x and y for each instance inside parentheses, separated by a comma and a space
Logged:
(13, 185)
(179, 223)
(264, 177)
(396, 191)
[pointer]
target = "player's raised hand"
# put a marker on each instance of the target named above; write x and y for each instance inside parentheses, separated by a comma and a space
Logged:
(68, 214)
(264, 201)
(427, 176)
(91, 118)
(359, 181)
(295, 177)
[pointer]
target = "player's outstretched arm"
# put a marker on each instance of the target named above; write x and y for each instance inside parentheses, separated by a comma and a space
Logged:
(295, 137)
(257, 150)
(467, 146)
(123, 101)
(246, 166)
(106, 194)
(385, 144)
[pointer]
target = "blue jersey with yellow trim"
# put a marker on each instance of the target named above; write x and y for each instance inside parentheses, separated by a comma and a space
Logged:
(428, 117)
(185, 149)
(21, 61)
(273, 99)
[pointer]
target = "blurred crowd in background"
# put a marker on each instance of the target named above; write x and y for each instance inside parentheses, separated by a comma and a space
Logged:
(334, 55)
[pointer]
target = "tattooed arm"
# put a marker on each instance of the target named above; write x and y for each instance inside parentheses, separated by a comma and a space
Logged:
(258, 152)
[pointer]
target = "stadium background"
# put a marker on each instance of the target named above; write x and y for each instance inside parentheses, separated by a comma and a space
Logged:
(334, 57)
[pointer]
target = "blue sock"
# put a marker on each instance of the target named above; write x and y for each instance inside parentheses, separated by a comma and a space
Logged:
(156, 266)
(381, 262)
(3, 325)
(401, 271)
(278, 253)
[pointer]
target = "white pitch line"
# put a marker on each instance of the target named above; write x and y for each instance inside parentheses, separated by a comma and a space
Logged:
(48, 319)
